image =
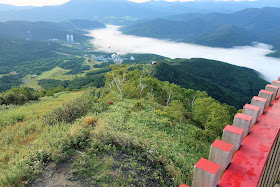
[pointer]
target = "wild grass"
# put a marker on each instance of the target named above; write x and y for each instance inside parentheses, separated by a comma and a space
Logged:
(56, 73)
(33, 83)
(110, 165)
(129, 142)
(23, 136)
(164, 142)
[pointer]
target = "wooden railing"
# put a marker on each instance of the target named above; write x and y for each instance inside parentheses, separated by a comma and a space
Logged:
(249, 153)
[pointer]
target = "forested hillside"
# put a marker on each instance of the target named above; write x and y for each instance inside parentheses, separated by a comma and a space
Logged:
(226, 83)
(215, 29)
(43, 31)
(21, 58)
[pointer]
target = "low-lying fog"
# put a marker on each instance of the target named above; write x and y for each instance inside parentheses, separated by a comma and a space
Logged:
(113, 41)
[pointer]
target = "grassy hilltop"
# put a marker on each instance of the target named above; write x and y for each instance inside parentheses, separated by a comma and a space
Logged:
(154, 135)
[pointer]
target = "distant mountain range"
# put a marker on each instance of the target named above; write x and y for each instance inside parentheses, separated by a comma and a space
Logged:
(122, 11)
(82, 9)
(192, 23)
(42, 30)
(215, 29)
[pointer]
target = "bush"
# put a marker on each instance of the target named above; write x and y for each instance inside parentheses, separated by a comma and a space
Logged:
(68, 112)
(42, 93)
(17, 96)
(2, 100)
(50, 92)
(14, 98)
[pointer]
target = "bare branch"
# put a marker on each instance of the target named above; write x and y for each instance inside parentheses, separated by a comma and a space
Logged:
(117, 85)
(169, 97)
(124, 74)
(142, 86)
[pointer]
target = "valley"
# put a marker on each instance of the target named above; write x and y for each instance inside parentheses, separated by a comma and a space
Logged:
(126, 93)
(112, 40)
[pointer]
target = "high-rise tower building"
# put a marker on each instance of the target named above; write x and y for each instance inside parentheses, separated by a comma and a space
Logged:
(68, 39)
(28, 36)
(71, 39)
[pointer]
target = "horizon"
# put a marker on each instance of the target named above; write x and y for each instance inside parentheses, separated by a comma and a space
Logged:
(42, 3)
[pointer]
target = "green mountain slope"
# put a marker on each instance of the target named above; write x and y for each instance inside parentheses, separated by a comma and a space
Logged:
(130, 138)
(43, 31)
(226, 83)
(215, 29)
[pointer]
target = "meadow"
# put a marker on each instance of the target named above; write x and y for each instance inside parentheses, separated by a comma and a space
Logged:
(23, 135)
(56, 73)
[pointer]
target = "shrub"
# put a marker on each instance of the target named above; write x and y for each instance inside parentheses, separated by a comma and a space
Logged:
(2, 100)
(42, 93)
(68, 112)
(50, 92)
(15, 98)
(137, 105)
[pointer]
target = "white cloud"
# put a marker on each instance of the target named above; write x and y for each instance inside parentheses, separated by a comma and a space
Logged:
(142, 1)
(236, 0)
(33, 2)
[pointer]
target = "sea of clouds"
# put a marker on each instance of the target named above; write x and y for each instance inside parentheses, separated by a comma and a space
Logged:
(111, 40)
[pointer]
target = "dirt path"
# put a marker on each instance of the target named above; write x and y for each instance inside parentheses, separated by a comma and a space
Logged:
(57, 176)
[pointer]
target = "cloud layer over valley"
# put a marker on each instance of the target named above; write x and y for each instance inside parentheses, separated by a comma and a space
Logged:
(254, 57)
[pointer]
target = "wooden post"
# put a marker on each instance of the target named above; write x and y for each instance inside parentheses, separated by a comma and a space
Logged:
(260, 102)
(274, 89)
(267, 95)
(276, 83)
(206, 174)
(234, 136)
(253, 111)
(221, 153)
(243, 121)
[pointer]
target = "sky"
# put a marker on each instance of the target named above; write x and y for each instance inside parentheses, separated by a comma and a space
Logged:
(33, 2)
(58, 2)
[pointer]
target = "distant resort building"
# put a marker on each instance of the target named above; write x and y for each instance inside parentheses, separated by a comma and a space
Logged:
(54, 39)
(154, 62)
(117, 58)
(70, 39)
(28, 36)
(132, 58)
(114, 57)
